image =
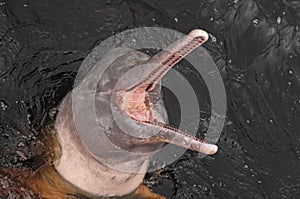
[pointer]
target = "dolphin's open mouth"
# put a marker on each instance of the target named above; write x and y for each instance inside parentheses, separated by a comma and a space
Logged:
(134, 100)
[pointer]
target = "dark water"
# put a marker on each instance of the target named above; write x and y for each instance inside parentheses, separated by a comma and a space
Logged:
(255, 44)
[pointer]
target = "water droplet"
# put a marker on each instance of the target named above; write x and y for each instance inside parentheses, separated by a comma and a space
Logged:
(255, 21)
(278, 20)
(259, 182)
(271, 121)
(290, 71)
(176, 20)
(235, 1)
(211, 19)
(246, 166)
(2, 3)
(247, 121)
(25, 5)
(229, 61)
(283, 13)
(289, 83)
(153, 19)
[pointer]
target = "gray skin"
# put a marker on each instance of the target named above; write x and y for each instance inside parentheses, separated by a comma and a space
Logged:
(115, 120)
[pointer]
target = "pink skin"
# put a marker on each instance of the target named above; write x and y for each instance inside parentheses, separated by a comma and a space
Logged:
(135, 99)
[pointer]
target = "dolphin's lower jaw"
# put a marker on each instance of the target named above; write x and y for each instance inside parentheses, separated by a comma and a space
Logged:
(77, 166)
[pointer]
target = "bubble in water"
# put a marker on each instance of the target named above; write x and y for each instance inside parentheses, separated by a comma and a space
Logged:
(28, 118)
(21, 144)
(278, 20)
(3, 106)
(176, 20)
(255, 21)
